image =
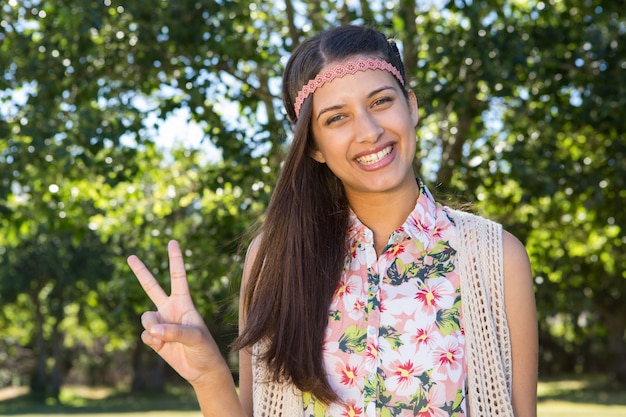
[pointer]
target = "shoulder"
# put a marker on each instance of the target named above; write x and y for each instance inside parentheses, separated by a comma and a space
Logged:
(519, 297)
(516, 261)
(515, 255)
(251, 255)
(253, 249)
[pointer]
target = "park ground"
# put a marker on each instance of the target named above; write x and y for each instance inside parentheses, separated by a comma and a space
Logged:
(558, 397)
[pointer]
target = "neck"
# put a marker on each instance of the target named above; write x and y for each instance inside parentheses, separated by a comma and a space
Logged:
(383, 213)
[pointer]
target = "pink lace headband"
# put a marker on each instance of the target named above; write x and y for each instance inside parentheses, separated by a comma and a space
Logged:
(342, 70)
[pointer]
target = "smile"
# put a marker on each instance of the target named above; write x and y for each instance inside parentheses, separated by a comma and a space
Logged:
(374, 157)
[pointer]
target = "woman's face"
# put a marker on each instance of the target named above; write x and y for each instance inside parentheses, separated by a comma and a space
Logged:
(364, 130)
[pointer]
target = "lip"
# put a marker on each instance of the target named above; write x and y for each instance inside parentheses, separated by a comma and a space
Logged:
(386, 160)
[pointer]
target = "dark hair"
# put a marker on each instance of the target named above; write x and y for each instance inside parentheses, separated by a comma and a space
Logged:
(335, 45)
(302, 243)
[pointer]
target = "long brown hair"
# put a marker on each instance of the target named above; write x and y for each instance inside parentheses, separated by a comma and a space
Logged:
(302, 243)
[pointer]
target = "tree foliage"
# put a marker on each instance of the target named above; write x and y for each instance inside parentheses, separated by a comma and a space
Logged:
(519, 112)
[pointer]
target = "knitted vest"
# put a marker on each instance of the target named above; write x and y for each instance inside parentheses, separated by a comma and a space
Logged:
(489, 379)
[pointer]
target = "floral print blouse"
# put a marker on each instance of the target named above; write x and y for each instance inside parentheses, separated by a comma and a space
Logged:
(394, 343)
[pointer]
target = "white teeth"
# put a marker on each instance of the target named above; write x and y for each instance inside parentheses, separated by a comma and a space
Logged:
(375, 157)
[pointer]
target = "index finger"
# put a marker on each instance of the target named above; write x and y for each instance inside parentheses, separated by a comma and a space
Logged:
(178, 275)
(147, 281)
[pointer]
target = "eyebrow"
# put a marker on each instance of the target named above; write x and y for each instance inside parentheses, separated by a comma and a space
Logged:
(339, 106)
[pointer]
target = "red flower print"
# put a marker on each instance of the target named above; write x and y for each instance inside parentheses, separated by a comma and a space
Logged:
(422, 226)
(348, 375)
(435, 294)
(371, 351)
(422, 336)
(428, 296)
(404, 377)
(404, 372)
(395, 250)
(351, 410)
(353, 249)
(344, 288)
(449, 359)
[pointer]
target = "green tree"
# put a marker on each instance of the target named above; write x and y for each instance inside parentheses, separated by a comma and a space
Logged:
(519, 106)
(52, 270)
(93, 72)
(573, 211)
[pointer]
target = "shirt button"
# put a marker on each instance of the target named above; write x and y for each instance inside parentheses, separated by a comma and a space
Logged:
(397, 238)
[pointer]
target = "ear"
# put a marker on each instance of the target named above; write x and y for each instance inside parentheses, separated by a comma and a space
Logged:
(412, 102)
(318, 156)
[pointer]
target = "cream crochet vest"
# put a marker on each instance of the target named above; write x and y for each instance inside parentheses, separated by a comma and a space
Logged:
(480, 263)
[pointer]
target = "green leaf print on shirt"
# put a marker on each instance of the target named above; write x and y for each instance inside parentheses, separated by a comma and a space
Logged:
(449, 320)
(419, 403)
(396, 273)
(392, 336)
(373, 302)
(353, 340)
(319, 408)
(375, 390)
(434, 263)
(443, 252)
(441, 255)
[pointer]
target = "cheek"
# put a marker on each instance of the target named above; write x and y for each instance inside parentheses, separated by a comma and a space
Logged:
(333, 144)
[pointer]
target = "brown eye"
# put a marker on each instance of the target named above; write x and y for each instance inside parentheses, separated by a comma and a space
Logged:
(381, 101)
(334, 119)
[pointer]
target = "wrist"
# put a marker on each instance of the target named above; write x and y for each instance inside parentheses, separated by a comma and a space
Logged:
(220, 375)
(217, 394)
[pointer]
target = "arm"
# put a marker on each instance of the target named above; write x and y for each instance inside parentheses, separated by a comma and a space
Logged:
(245, 357)
(177, 332)
(519, 301)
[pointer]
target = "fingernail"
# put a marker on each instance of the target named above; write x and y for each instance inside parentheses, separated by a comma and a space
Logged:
(156, 330)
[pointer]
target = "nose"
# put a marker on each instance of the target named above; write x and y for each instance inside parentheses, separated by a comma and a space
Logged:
(368, 128)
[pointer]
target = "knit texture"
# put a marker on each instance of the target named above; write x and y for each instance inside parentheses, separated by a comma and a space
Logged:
(480, 263)
(271, 398)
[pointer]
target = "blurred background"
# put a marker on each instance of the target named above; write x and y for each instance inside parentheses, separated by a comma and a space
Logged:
(124, 124)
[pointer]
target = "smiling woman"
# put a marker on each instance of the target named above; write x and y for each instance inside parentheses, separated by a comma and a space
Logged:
(361, 294)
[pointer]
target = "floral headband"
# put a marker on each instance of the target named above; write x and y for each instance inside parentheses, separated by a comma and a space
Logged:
(342, 70)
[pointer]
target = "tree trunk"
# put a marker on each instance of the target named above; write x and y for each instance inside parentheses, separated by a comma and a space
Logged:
(56, 379)
(139, 382)
(148, 370)
(38, 376)
(157, 373)
(615, 322)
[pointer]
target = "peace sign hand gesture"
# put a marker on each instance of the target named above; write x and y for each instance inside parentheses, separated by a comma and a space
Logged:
(176, 331)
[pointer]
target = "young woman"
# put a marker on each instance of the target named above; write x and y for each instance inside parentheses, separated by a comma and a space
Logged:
(362, 296)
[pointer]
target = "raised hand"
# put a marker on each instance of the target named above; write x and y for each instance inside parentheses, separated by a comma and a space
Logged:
(176, 331)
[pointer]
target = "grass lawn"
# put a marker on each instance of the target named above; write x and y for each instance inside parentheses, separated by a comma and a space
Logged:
(588, 396)
(571, 397)
(102, 402)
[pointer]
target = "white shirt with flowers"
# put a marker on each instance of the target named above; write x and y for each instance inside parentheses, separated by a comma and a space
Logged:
(394, 343)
